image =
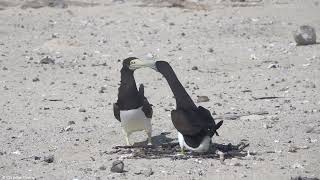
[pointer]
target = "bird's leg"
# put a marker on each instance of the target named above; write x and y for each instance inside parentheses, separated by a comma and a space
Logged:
(149, 137)
(127, 137)
(148, 129)
(182, 151)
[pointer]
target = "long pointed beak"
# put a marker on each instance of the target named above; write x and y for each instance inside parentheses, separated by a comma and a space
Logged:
(137, 64)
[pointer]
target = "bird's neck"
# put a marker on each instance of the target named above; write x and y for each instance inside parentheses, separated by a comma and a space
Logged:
(128, 88)
(183, 100)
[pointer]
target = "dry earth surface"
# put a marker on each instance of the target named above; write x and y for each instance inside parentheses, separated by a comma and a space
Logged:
(235, 53)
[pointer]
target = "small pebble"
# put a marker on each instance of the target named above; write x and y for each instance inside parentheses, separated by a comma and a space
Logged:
(102, 168)
(273, 66)
(210, 50)
(48, 159)
(68, 128)
(102, 89)
(203, 99)
(47, 60)
(292, 149)
(71, 122)
(194, 68)
(267, 126)
(36, 79)
(117, 166)
(305, 35)
(37, 158)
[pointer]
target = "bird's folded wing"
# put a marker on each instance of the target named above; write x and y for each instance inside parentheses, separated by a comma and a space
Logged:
(116, 111)
(186, 122)
(147, 108)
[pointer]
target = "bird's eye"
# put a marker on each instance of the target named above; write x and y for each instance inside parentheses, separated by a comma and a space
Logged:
(132, 62)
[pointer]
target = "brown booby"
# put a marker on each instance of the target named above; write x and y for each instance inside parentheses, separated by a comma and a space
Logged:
(132, 108)
(195, 125)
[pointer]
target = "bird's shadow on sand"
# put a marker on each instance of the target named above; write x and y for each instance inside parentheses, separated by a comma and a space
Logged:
(157, 140)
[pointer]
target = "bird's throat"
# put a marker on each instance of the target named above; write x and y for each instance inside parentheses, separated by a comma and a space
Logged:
(183, 99)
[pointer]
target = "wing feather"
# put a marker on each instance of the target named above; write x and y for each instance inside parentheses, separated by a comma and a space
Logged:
(116, 111)
(185, 122)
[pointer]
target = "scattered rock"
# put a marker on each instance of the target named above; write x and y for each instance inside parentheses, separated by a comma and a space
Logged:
(305, 35)
(47, 60)
(48, 159)
(36, 79)
(267, 126)
(194, 68)
(117, 166)
(68, 128)
(273, 66)
(85, 118)
(102, 90)
(203, 99)
(71, 122)
(293, 149)
(37, 158)
(210, 50)
(82, 110)
(102, 168)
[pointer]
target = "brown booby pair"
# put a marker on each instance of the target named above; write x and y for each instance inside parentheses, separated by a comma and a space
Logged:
(195, 125)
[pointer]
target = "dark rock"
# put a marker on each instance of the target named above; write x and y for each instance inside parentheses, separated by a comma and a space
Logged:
(68, 128)
(210, 50)
(37, 158)
(117, 166)
(102, 89)
(305, 35)
(194, 68)
(71, 122)
(273, 66)
(4, 68)
(203, 99)
(48, 159)
(47, 60)
(36, 79)
(102, 168)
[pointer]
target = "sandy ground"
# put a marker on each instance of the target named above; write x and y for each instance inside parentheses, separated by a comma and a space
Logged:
(65, 109)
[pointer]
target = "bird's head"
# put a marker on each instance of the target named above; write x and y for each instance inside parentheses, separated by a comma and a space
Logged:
(134, 63)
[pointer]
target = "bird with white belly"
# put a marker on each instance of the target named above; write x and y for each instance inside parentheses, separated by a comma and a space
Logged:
(132, 108)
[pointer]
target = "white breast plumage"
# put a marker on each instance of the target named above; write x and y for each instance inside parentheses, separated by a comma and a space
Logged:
(203, 147)
(135, 120)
